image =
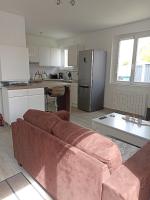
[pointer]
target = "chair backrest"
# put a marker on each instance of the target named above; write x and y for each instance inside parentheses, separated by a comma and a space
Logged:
(58, 91)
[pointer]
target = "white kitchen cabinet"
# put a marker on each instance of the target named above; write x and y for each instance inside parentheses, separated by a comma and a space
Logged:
(36, 99)
(17, 102)
(17, 106)
(1, 100)
(55, 57)
(73, 56)
(14, 63)
(12, 29)
(74, 94)
(49, 57)
(34, 54)
(45, 56)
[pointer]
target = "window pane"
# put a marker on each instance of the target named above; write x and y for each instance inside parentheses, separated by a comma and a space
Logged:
(142, 68)
(125, 60)
(66, 58)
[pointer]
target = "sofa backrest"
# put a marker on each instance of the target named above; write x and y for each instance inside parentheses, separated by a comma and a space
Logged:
(94, 144)
(45, 120)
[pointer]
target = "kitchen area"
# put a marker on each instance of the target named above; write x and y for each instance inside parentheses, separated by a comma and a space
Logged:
(36, 72)
(33, 76)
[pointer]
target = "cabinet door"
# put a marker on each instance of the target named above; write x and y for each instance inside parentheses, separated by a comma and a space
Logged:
(34, 54)
(45, 56)
(14, 64)
(72, 56)
(17, 107)
(55, 57)
(36, 102)
(74, 95)
(36, 99)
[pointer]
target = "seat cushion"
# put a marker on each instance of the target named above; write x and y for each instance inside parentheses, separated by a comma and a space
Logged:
(90, 142)
(41, 119)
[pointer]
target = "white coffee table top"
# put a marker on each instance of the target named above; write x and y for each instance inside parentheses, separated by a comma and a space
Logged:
(116, 121)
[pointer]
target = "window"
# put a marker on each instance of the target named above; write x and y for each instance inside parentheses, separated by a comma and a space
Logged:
(125, 60)
(66, 58)
(132, 60)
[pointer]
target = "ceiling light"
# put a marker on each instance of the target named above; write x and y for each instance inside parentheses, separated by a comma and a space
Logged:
(58, 2)
(72, 2)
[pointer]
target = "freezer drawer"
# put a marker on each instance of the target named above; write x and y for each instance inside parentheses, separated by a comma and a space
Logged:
(84, 98)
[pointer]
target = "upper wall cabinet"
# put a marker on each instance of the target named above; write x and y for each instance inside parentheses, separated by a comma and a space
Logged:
(14, 63)
(34, 54)
(55, 57)
(12, 30)
(49, 57)
(73, 56)
(45, 56)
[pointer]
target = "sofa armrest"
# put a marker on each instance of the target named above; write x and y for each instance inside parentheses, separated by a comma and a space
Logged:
(65, 115)
(131, 181)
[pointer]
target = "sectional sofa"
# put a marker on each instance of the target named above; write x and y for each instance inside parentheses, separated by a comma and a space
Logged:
(76, 163)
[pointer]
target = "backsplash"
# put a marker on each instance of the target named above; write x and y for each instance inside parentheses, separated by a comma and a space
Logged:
(74, 74)
(34, 67)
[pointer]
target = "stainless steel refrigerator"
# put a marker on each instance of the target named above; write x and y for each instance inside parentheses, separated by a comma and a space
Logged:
(92, 65)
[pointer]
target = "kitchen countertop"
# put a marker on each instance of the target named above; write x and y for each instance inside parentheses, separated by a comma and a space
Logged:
(62, 80)
(42, 84)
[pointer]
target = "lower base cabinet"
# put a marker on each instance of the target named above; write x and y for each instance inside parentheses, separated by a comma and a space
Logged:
(74, 95)
(17, 102)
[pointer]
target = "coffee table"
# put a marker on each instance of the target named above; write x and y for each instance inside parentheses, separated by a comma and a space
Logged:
(116, 126)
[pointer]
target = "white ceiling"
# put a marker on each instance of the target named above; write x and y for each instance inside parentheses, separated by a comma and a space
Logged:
(87, 15)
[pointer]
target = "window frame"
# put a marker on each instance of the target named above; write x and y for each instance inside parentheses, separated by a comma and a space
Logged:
(68, 66)
(115, 54)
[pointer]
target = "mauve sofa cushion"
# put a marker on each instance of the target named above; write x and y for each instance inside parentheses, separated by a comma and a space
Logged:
(63, 115)
(90, 142)
(41, 119)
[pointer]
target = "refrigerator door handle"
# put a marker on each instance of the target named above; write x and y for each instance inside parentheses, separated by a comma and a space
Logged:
(84, 86)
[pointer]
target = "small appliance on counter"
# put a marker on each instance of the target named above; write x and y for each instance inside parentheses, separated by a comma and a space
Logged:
(69, 75)
(1, 120)
(60, 75)
(53, 76)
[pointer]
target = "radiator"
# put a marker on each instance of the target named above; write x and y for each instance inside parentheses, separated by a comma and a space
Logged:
(129, 102)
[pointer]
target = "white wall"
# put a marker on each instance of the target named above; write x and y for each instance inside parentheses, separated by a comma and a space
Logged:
(12, 33)
(34, 40)
(103, 39)
(12, 29)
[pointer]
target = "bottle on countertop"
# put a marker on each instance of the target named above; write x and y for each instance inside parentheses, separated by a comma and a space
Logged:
(69, 75)
(1, 120)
